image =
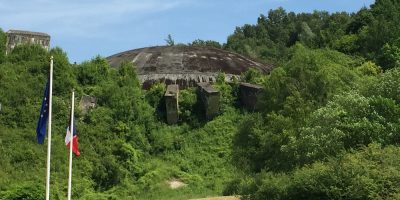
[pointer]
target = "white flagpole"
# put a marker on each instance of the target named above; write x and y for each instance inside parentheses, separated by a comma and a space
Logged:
(71, 128)
(49, 131)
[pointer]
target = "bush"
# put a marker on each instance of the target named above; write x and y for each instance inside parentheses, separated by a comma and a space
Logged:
(28, 52)
(93, 72)
(106, 174)
(166, 138)
(155, 97)
(347, 122)
(372, 173)
(189, 107)
(252, 76)
(228, 93)
(387, 85)
(31, 192)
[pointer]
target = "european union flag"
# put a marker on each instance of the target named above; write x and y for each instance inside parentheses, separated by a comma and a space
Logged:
(44, 115)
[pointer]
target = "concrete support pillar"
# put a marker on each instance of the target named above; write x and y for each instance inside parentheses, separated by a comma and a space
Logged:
(249, 94)
(210, 98)
(171, 103)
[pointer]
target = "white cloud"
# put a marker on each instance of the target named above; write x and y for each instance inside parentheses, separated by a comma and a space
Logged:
(77, 17)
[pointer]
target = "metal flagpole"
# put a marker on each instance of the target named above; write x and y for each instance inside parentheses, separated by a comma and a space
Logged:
(49, 131)
(71, 128)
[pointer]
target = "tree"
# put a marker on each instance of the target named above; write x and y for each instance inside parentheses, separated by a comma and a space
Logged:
(3, 40)
(360, 20)
(64, 77)
(93, 72)
(28, 53)
(389, 56)
(347, 122)
(381, 29)
(387, 85)
(310, 75)
(155, 97)
(169, 40)
(208, 43)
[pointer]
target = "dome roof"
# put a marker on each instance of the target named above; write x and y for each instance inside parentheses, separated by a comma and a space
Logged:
(185, 64)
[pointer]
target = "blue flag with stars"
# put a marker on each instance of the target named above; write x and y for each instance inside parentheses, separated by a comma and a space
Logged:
(44, 115)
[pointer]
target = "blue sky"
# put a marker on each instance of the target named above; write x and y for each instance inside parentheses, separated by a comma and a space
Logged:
(86, 28)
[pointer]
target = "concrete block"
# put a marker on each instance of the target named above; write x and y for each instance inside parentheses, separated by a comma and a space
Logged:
(249, 96)
(171, 103)
(210, 98)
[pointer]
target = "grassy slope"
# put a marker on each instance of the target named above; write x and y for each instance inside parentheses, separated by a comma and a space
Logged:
(203, 163)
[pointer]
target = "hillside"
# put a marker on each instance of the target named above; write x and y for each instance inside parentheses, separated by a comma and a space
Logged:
(141, 152)
(328, 127)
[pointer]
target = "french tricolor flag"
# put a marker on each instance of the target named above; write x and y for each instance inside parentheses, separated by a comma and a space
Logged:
(75, 148)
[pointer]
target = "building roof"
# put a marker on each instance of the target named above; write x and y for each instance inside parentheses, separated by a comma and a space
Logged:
(27, 33)
(185, 65)
(182, 59)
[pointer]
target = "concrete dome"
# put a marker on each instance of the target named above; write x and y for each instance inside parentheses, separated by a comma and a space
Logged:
(185, 65)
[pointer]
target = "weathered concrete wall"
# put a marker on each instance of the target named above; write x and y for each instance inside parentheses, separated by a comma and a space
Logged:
(249, 96)
(171, 103)
(185, 65)
(86, 103)
(210, 98)
(16, 37)
(183, 80)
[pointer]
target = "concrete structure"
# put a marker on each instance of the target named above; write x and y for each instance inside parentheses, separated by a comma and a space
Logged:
(16, 37)
(171, 103)
(210, 98)
(249, 96)
(86, 103)
(185, 65)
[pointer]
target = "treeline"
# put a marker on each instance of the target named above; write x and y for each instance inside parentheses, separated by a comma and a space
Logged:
(372, 33)
(329, 128)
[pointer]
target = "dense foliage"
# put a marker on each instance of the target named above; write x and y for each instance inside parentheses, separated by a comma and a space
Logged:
(371, 32)
(127, 149)
(3, 40)
(328, 127)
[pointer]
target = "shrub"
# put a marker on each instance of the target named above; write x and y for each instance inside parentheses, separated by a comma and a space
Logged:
(27, 192)
(372, 173)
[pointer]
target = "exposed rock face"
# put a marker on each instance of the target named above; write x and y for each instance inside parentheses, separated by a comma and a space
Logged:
(185, 65)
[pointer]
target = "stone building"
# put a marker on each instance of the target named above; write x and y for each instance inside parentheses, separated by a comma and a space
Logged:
(16, 37)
